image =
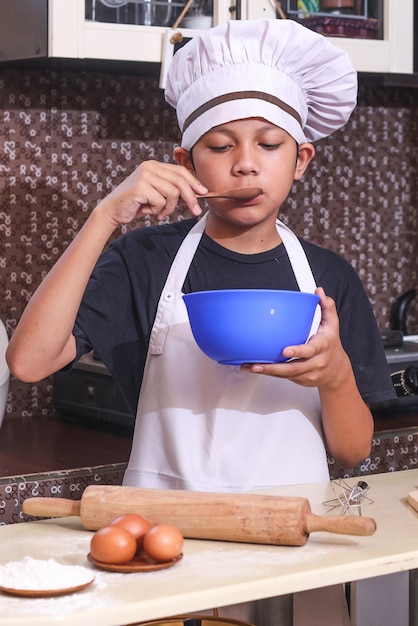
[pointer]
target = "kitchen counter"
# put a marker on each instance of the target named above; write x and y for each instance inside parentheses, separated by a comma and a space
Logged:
(212, 574)
(396, 419)
(39, 446)
(52, 456)
(30, 445)
(45, 444)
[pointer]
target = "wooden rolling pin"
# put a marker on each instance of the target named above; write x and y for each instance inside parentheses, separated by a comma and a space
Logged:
(245, 518)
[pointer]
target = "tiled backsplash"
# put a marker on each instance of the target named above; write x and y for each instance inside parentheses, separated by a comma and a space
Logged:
(391, 452)
(69, 137)
(68, 484)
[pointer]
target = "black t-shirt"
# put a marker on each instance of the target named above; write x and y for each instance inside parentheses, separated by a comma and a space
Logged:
(119, 305)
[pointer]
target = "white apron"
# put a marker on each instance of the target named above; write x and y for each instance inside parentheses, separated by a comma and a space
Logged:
(208, 427)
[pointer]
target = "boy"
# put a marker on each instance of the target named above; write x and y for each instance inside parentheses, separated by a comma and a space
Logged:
(250, 97)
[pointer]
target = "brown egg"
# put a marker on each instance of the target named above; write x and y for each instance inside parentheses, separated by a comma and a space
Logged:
(163, 542)
(135, 524)
(113, 544)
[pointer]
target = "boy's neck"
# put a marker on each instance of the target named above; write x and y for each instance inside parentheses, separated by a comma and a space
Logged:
(244, 240)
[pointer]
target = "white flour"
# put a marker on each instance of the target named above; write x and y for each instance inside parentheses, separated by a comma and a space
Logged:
(37, 575)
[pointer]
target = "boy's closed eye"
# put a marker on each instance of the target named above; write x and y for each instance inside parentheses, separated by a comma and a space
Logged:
(265, 146)
(270, 146)
(220, 148)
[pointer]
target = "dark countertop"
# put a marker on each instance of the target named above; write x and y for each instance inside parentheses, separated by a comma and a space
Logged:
(34, 445)
(47, 444)
(396, 419)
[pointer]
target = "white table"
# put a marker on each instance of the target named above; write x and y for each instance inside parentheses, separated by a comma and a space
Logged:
(214, 574)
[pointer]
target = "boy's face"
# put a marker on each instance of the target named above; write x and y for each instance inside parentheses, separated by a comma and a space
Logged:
(249, 152)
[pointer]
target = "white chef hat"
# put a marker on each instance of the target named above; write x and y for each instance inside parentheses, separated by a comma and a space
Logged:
(275, 69)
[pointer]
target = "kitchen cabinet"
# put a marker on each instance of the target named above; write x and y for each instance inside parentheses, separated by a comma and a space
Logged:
(394, 53)
(59, 29)
(76, 37)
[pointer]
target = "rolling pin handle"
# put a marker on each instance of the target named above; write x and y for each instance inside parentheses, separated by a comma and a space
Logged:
(51, 507)
(343, 524)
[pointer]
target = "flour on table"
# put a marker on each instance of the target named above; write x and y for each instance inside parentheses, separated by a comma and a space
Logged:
(40, 575)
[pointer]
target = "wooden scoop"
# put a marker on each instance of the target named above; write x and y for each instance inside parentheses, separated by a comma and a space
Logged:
(249, 518)
(239, 193)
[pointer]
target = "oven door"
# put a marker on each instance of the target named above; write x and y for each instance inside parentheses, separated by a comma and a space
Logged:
(89, 391)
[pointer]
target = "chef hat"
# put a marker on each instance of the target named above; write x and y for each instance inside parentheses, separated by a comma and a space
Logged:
(275, 69)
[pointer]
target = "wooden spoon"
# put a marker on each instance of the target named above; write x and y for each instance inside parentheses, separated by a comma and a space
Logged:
(239, 193)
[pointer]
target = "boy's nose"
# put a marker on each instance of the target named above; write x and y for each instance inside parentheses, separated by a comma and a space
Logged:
(245, 163)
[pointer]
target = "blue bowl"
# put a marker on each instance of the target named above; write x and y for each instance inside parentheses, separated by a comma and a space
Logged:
(234, 326)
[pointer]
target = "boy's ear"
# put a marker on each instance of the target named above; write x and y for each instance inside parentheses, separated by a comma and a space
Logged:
(183, 157)
(306, 153)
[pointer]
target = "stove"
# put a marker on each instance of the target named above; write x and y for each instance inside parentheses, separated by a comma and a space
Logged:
(403, 365)
(89, 391)
(402, 357)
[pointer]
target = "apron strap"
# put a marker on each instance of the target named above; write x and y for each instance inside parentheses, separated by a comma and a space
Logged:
(180, 267)
(174, 283)
(301, 267)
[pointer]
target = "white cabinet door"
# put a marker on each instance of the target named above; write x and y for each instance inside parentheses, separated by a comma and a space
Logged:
(392, 54)
(71, 36)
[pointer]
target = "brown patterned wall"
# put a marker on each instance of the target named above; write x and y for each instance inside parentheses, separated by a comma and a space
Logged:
(68, 137)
